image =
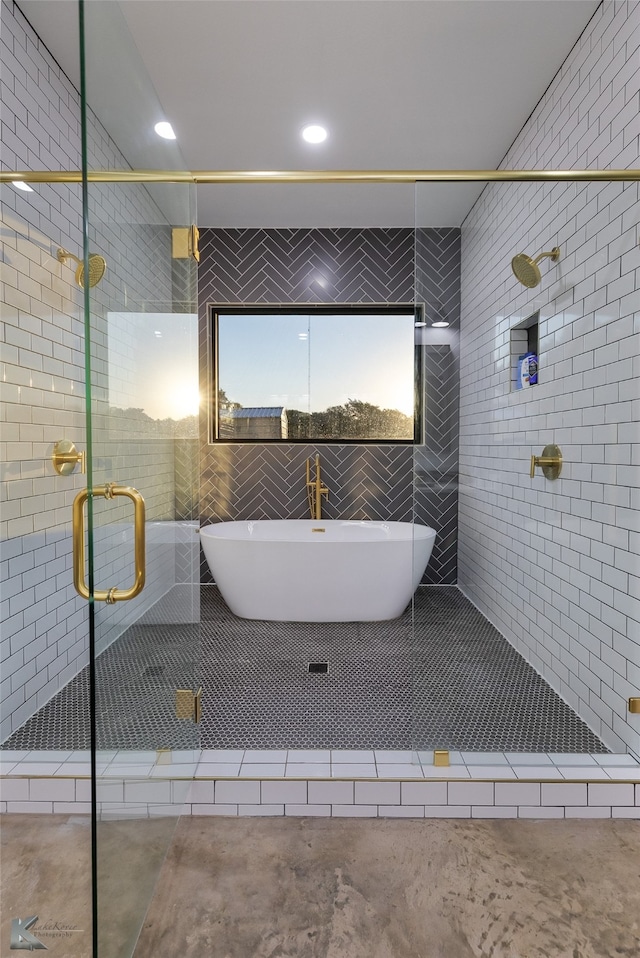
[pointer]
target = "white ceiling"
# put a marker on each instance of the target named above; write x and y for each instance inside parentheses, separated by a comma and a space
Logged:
(400, 84)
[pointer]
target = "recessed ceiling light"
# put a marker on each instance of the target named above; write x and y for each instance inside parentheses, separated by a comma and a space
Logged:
(440, 324)
(164, 129)
(19, 185)
(314, 134)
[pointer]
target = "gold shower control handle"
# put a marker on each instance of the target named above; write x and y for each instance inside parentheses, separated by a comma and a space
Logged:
(109, 491)
(550, 462)
(66, 457)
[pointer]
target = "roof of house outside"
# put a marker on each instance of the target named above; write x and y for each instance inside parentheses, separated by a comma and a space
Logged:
(254, 412)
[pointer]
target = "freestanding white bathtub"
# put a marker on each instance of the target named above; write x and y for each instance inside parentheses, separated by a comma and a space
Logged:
(317, 570)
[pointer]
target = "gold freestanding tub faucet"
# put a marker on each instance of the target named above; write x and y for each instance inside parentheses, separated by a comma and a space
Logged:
(315, 489)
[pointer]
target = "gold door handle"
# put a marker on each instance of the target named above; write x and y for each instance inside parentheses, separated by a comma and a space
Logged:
(550, 462)
(109, 491)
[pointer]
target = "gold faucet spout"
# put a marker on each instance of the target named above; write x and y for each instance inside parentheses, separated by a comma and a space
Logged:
(315, 489)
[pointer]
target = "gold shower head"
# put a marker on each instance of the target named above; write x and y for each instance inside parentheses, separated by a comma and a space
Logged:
(526, 269)
(97, 267)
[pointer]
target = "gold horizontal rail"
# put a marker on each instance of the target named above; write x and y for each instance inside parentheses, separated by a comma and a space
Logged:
(319, 176)
(97, 176)
(409, 176)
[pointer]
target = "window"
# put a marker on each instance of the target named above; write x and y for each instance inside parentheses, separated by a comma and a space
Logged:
(332, 375)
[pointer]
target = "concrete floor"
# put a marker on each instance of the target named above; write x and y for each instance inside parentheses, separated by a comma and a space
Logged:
(329, 888)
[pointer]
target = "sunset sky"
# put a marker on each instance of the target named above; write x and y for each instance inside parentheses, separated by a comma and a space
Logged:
(305, 362)
(310, 362)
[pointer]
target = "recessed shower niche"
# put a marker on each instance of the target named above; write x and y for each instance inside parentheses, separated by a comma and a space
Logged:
(524, 342)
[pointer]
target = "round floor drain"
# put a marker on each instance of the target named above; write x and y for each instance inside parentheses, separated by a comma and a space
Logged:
(318, 668)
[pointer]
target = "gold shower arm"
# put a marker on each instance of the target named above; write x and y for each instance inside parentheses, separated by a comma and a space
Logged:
(554, 255)
(63, 256)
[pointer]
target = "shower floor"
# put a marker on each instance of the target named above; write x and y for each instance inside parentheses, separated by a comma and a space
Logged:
(456, 684)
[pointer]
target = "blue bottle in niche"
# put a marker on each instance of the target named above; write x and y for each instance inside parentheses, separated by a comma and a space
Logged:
(527, 371)
(522, 375)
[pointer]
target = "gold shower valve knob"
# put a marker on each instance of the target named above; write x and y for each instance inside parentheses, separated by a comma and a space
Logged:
(550, 462)
(66, 457)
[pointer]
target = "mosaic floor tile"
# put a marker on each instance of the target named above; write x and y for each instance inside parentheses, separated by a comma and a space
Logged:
(456, 683)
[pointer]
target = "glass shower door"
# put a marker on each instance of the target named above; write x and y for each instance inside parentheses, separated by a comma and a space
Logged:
(143, 479)
(138, 273)
(45, 734)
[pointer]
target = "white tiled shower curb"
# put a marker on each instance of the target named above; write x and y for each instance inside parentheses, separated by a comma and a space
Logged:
(366, 783)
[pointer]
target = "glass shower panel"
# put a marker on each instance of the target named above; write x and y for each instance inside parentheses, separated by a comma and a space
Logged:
(528, 355)
(143, 478)
(45, 629)
(435, 458)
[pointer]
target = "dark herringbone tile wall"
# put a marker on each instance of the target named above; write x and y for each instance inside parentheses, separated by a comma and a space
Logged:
(306, 266)
(436, 457)
(342, 266)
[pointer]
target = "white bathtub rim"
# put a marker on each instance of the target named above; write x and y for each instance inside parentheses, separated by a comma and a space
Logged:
(392, 531)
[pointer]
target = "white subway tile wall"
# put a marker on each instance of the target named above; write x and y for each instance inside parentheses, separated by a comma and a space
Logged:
(554, 564)
(45, 623)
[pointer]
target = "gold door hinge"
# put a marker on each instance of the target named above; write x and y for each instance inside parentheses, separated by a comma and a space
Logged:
(189, 704)
(184, 242)
(441, 757)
